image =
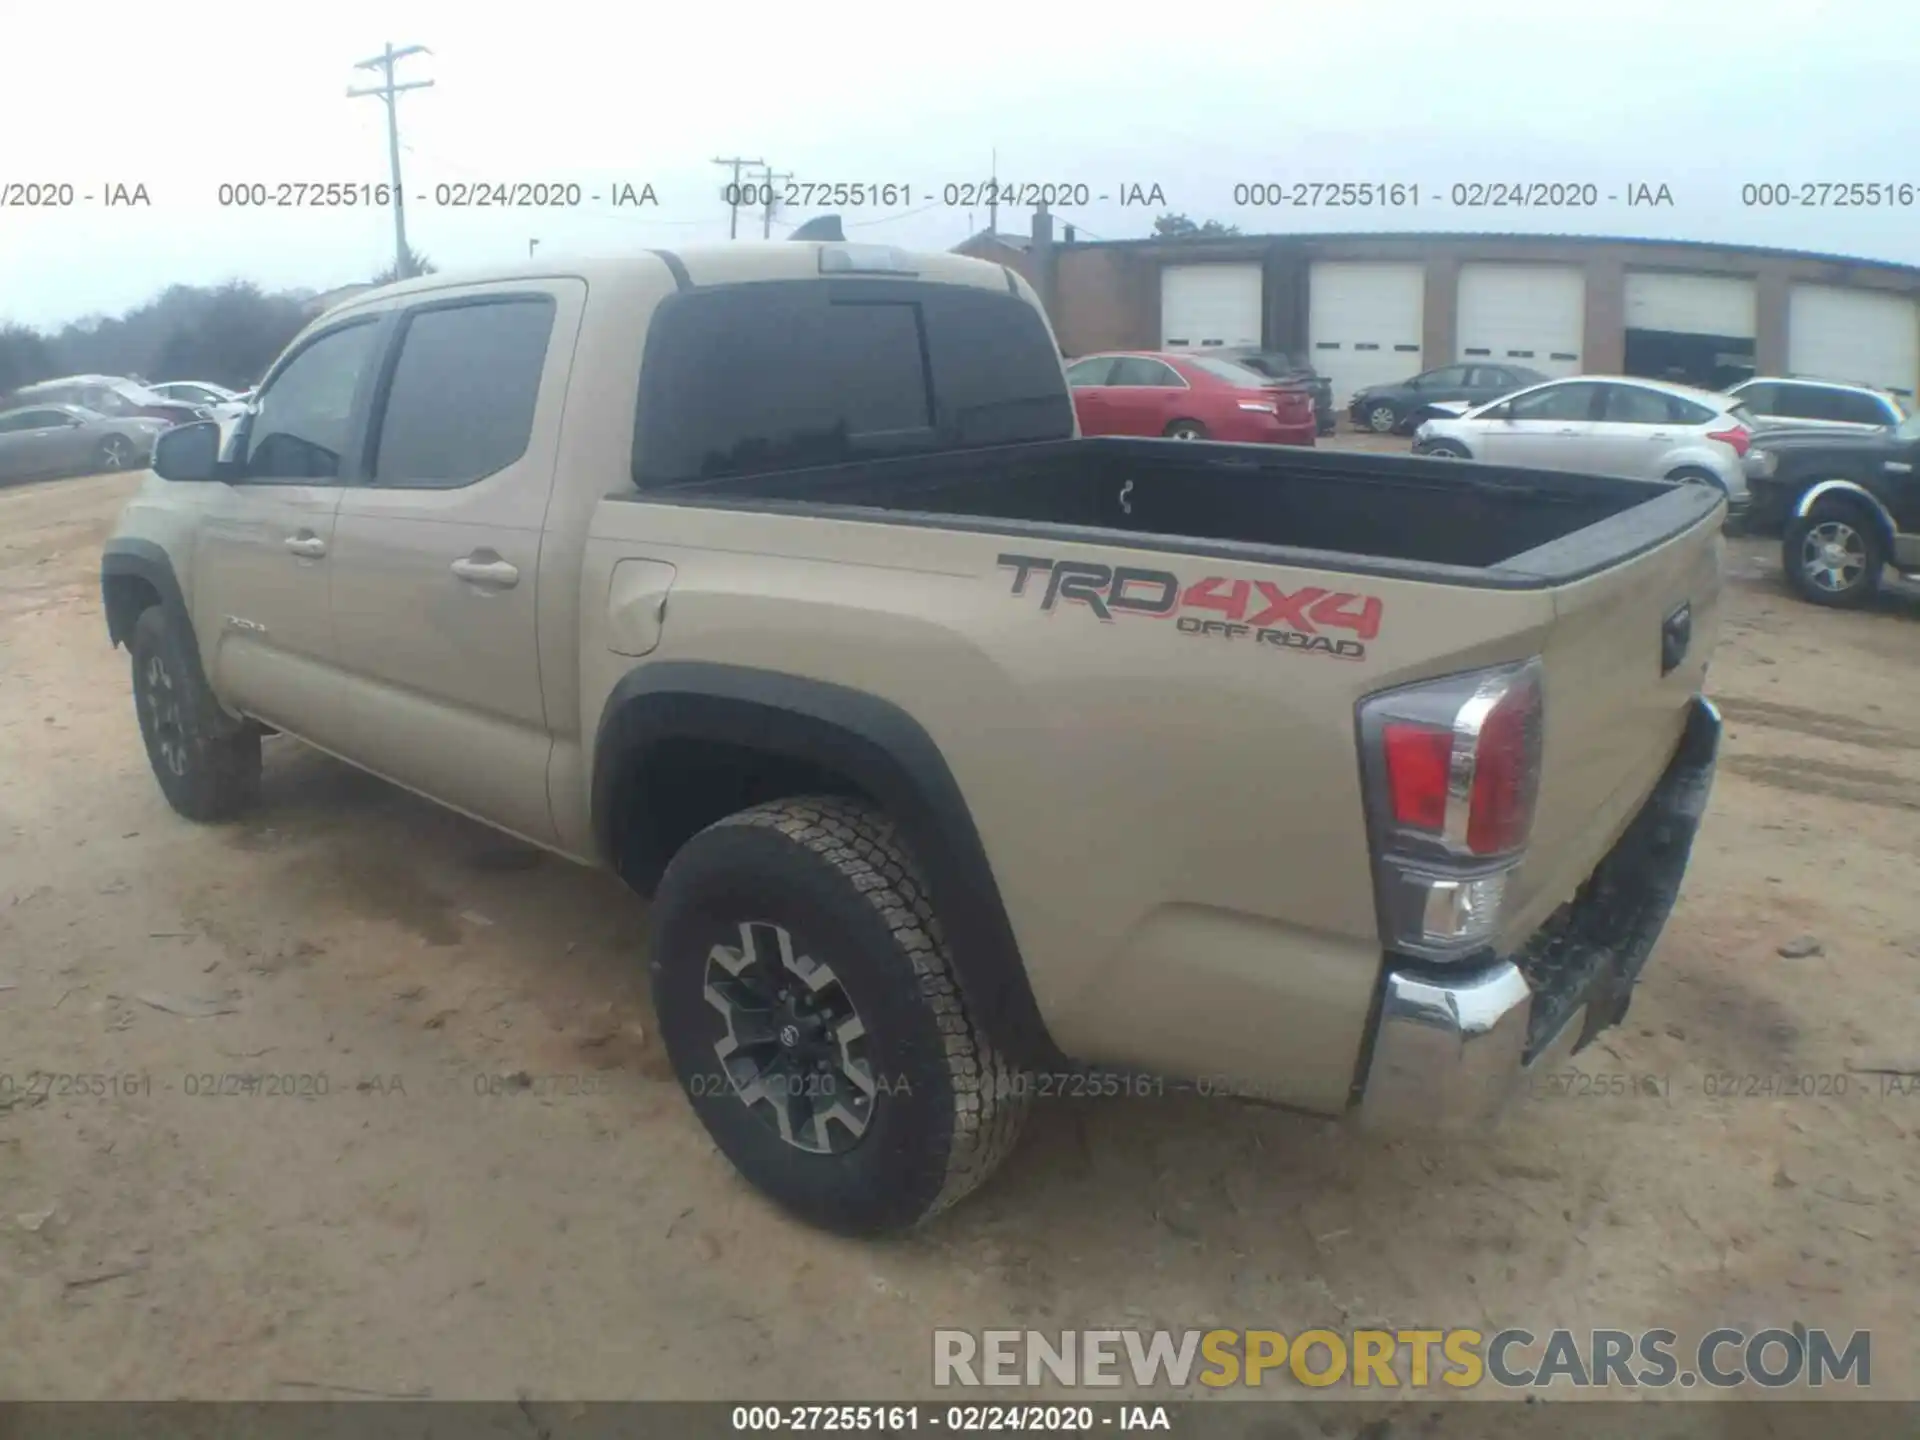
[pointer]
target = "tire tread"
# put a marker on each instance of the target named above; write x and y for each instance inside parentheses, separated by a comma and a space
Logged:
(223, 779)
(866, 848)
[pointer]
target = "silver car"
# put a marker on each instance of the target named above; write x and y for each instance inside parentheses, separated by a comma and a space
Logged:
(38, 441)
(1817, 404)
(1605, 425)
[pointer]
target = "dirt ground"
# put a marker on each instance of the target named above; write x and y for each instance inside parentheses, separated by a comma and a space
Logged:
(424, 1228)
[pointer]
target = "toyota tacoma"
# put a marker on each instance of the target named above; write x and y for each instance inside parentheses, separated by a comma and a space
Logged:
(954, 750)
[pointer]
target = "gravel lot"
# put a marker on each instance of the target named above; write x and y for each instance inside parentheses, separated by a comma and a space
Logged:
(423, 1228)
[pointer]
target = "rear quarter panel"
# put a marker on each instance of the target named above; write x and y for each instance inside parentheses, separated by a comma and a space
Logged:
(1173, 818)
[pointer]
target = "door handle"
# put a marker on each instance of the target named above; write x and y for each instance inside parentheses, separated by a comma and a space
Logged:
(312, 547)
(1659, 437)
(1568, 431)
(496, 573)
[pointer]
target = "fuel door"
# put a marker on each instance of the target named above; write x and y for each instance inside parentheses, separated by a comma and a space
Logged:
(637, 605)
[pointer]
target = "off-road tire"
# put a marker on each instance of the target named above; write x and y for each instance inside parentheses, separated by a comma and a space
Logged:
(1857, 521)
(208, 764)
(836, 875)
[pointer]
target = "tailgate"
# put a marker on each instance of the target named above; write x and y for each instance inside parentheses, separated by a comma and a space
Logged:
(1627, 652)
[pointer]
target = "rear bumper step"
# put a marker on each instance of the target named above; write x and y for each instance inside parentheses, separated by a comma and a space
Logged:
(1452, 1046)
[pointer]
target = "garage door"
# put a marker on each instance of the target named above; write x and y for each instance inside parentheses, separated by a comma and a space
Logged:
(1532, 315)
(1363, 323)
(1209, 305)
(1856, 336)
(1690, 304)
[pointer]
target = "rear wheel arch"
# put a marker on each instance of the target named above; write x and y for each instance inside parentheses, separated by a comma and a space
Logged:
(682, 744)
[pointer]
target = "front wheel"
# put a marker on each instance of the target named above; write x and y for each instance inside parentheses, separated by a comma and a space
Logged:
(810, 1009)
(1186, 430)
(208, 766)
(113, 453)
(1382, 419)
(1833, 557)
(1444, 450)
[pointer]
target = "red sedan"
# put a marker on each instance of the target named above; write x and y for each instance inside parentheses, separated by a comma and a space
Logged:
(1187, 396)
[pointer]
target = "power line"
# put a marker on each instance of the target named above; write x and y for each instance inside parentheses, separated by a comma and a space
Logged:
(738, 162)
(388, 91)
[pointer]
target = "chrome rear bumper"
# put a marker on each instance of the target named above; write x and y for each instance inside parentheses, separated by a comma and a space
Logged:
(1450, 1049)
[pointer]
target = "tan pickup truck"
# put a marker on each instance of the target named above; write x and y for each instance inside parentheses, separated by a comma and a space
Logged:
(966, 761)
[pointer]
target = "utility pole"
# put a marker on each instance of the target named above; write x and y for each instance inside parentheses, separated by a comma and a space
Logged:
(739, 163)
(388, 91)
(993, 194)
(770, 179)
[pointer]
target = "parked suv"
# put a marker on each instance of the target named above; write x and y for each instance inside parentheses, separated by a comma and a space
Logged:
(775, 579)
(1817, 404)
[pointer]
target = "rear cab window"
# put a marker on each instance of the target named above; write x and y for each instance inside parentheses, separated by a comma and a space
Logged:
(778, 375)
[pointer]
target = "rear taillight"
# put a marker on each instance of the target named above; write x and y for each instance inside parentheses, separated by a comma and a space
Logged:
(1452, 769)
(1739, 437)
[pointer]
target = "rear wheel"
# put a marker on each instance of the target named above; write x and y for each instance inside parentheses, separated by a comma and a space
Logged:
(1834, 556)
(809, 1006)
(1186, 430)
(1382, 419)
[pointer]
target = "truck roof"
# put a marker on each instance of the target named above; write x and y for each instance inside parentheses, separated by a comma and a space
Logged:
(725, 263)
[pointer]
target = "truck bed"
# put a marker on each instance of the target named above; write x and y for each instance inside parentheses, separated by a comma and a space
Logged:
(1435, 520)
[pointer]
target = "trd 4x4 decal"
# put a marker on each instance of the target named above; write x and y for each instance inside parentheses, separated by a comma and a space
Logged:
(1216, 606)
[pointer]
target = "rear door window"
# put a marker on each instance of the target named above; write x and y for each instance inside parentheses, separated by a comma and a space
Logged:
(1135, 371)
(1630, 405)
(1861, 409)
(1806, 402)
(746, 379)
(1559, 402)
(460, 404)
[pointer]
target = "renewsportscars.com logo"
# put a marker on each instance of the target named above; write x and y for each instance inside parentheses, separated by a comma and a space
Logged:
(1510, 1359)
(1311, 620)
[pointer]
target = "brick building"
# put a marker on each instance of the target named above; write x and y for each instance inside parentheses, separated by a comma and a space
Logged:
(1371, 308)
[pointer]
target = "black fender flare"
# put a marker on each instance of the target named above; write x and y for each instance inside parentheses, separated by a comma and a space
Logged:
(878, 747)
(1845, 487)
(146, 561)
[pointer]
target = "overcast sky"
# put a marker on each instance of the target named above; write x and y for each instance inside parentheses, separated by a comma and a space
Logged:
(1701, 97)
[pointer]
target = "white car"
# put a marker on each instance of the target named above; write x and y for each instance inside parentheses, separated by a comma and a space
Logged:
(1605, 425)
(1817, 404)
(221, 403)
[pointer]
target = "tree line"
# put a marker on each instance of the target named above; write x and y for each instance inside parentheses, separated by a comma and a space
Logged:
(228, 334)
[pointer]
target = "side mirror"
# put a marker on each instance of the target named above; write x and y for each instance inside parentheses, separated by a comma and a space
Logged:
(188, 452)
